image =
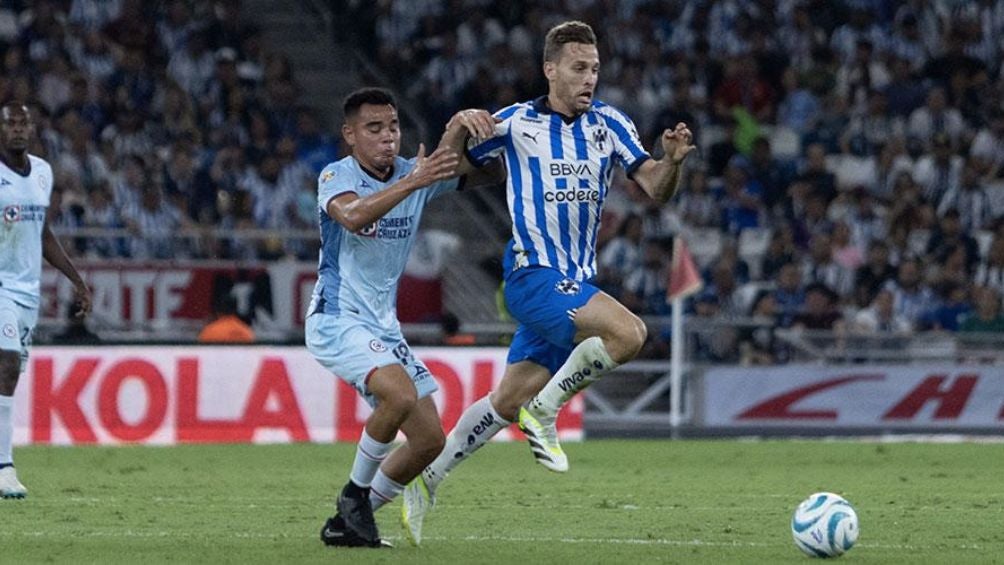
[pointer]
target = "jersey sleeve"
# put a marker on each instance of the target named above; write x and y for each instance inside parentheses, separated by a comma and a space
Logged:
(479, 154)
(333, 181)
(628, 150)
(437, 189)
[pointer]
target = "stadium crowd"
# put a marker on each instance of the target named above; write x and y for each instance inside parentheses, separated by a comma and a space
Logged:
(851, 151)
(164, 115)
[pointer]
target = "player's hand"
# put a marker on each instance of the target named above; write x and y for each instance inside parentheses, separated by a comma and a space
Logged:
(82, 299)
(678, 143)
(440, 165)
(478, 123)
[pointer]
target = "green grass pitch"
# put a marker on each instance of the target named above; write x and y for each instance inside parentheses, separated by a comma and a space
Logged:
(622, 501)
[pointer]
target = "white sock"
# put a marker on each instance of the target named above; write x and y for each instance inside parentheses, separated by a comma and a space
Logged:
(478, 424)
(585, 365)
(370, 453)
(6, 429)
(383, 490)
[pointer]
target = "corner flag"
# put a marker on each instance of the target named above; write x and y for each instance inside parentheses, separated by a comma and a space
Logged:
(684, 279)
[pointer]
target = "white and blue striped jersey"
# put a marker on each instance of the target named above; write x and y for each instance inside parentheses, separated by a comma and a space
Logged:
(559, 173)
(358, 273)
(24, 201)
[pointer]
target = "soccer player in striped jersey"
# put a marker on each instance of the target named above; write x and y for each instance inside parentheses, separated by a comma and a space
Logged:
(559, 151)
(25, 239)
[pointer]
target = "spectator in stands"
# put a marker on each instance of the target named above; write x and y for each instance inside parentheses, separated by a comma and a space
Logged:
(696, 204)
(970, 198)
(226, 326)
(740, 198)
(799, 107)
(911, 296)
(645, 288)
(315, 148)
(948, 236)
(621, 256)
(873, 275)
(905, 92)
(988, 146)
(102, 212)
(989, 271)
(820, 312)
(819, 266)
(790, 293)
(953, 308)
(768, 172)
(780, 251)
(722, 151)
(757, 344)
(861, 75)
(154, 223)
(846, 252)
(987, 317)
(938, 172)
(936, 118)
(815, 173)
(880, 317)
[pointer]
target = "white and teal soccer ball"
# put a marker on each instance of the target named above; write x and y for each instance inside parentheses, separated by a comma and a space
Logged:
(824, 525)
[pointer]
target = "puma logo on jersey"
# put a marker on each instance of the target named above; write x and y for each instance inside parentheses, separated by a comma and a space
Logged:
(531, 137)
(5, 182)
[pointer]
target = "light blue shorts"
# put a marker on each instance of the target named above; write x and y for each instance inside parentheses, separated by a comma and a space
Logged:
(353, 349)
(16, 324)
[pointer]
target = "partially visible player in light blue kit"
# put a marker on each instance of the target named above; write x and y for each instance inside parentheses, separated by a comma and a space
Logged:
(25, 239)
(370, 205)
(559, 152)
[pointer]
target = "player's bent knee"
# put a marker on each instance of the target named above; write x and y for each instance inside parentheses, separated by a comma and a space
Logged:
(627, 340)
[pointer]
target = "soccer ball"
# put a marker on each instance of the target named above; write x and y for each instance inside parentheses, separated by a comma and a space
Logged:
(824, 525)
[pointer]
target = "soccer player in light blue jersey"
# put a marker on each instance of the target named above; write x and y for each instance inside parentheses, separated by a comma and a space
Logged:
(559, 152)
(25, 239)
(370, 204)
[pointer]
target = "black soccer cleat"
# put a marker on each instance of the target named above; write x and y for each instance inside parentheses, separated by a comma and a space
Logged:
(335, 533)
(355, 509)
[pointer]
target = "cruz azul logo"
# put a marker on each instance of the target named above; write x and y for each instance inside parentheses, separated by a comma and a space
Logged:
(23, 213)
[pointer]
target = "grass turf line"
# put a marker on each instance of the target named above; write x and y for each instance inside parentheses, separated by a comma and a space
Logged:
(644, 501)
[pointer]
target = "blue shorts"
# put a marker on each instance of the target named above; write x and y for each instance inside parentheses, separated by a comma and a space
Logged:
(544, 302)
(353, 349)
(16, 325)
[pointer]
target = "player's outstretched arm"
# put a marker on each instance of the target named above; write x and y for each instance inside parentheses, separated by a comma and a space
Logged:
(470, 123)
(661, 179)
(54, 253)
(356, 213)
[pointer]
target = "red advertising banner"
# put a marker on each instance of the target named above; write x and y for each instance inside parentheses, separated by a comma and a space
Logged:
(155, 294)
(922, 396)
(169, 395)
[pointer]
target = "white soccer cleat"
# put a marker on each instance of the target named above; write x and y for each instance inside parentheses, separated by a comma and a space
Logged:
(542, 435)
(418, 500)
(10, 487)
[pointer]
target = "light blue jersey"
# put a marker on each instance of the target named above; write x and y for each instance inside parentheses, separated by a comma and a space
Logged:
(358, 272)
(24, 200)
(558, 177)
